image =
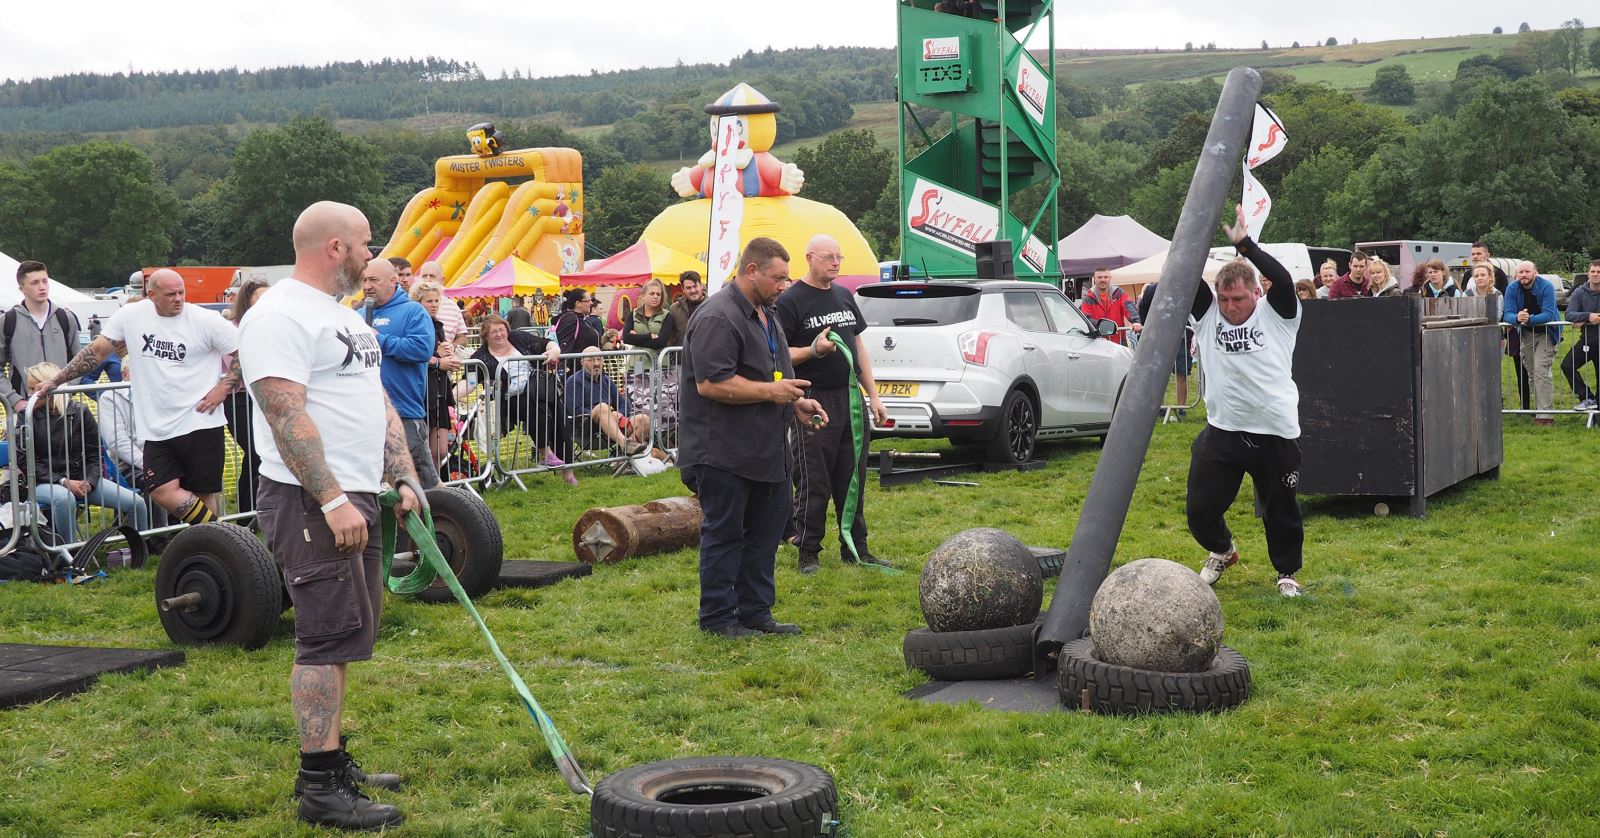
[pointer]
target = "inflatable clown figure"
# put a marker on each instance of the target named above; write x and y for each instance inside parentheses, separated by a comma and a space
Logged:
(760, 174)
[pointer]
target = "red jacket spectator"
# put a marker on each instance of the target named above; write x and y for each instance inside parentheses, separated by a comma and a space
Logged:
(1111, 303)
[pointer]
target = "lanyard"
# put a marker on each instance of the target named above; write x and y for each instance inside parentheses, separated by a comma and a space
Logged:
(772, 344)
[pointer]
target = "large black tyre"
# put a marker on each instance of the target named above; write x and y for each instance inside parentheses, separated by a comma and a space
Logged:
(1123, 689)
(716, 797)
(469, 538)
(1017, 436)
(239, 585)
(971, 655)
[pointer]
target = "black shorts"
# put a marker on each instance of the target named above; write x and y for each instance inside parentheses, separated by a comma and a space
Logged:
(338, 597)
(194, 460)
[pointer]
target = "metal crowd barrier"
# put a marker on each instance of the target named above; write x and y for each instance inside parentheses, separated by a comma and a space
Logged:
(1573, 357)
(1170, 408)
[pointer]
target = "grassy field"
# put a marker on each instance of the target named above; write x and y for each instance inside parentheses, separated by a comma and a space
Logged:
(1441, 677)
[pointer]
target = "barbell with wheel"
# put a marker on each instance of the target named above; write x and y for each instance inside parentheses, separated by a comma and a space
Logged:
(217, 584)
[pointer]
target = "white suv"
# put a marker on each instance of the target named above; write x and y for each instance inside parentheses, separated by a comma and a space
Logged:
(1004, 364)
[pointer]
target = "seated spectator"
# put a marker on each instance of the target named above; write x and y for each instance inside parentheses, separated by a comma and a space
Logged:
(529, 397)
(66, 457)
(1380, 281)
(1305, 289)
(599, 410)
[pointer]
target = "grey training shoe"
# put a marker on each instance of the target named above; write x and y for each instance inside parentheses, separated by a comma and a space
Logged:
(1215, 564)
(1288, 587)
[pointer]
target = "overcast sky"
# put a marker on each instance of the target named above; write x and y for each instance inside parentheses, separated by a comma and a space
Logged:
(551, 37)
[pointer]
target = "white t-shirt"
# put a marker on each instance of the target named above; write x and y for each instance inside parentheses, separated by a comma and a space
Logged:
(298, 333)
(1248, 379)
(174, 361)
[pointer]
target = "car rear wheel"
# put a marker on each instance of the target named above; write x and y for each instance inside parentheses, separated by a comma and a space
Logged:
(1014, 440)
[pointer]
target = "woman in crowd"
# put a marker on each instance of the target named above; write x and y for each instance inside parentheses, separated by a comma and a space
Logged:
(237, 406)
(65, 448)
(650, 325)
(1481, 284)
(1380, 280)
(444, 361)
(574, 332)
(529, 396)
(1436, 280)
(1305, 289)
(1326, 276)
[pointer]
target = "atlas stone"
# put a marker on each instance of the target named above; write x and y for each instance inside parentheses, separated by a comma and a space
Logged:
(1157, 615)
(981, 579)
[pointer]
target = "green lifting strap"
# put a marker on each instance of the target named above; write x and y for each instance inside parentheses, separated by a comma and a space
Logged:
(858, 432)
(431, 565)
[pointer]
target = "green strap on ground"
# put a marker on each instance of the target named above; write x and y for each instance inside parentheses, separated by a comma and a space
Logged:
(431, 565)
(858, 433)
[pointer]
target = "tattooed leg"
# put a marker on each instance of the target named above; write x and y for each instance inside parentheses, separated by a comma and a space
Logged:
(318, 696)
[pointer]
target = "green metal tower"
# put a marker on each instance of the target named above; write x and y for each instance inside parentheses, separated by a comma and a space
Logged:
(999, 138)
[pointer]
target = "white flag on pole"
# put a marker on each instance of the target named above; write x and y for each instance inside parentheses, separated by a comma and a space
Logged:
(1267, 139)
(727, 206)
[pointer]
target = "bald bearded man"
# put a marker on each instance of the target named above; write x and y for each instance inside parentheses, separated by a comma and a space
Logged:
(329, 441)
(175, 353)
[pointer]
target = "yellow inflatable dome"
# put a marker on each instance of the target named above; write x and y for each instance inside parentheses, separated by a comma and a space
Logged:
(790, 219)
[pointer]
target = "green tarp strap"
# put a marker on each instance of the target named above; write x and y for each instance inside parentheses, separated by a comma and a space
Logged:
(858, 439)
(431, 565)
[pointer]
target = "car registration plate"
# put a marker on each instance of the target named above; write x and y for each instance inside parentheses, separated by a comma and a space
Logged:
(897, 389)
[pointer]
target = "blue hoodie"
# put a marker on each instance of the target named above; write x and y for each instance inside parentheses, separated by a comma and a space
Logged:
(405, 334)
(1544, 293)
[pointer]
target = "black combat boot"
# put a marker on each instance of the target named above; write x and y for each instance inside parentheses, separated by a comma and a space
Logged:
(330, 798)
(389, 782)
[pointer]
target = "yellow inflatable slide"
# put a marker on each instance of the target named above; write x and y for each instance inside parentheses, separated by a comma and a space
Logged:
(481, 209)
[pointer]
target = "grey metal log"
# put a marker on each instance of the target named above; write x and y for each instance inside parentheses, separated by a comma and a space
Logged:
(1105, 509)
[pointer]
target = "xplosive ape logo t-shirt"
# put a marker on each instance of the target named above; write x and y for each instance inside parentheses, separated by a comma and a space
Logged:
(1247, 381)
(173, 362)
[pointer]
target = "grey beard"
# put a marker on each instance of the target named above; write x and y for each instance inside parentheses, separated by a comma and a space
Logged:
(349, 282)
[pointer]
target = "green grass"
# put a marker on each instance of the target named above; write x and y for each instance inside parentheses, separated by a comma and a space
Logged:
(1441, 676)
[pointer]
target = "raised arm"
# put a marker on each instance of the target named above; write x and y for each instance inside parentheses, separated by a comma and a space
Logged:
(1281, 295)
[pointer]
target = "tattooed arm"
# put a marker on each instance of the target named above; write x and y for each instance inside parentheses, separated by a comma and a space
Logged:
(396, 453)
(84, 362)
(397, 464)
(219, 393)
(283, 405)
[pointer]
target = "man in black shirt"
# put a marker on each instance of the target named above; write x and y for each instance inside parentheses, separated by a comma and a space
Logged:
(831, 463)
(694, 293)
(738, 390)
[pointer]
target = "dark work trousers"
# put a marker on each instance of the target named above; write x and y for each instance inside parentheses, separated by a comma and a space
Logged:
(741, 522)
(824, 460)
(236, 407)
(1514, 352)
(1218, 462)
(1586, 352)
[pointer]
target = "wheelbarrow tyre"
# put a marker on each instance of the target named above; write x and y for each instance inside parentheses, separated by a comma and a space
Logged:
(702, 797)
(234, 573)
(469, 537)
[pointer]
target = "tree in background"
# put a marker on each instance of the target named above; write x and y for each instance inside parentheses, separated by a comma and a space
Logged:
(1498, 31)
(1567, 47)
(1331, 42)
(279, 172)
(1392, 85)
(1301, 205)
(1520, 29)
(621, 202)
(847, 170)
(881, 224)
(93, 212)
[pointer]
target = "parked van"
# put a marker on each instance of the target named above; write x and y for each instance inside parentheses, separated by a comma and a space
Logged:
(1404, 256)
(1295, 258)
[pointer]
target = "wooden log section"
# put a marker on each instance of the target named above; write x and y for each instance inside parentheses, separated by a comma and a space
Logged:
(611, 534)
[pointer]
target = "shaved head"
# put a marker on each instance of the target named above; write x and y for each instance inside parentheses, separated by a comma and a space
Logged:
(431, 270)
(380, 280)
(330, 246)
(166, 291)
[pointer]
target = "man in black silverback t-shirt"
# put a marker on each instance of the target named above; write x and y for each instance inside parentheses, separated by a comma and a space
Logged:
(828, 460)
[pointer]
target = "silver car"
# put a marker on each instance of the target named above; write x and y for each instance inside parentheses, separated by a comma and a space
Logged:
(1001, 364)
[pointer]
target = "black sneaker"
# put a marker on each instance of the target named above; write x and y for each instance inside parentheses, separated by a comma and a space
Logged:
(775, 627)
(734, 632)
(330, 798)
(809, 563)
